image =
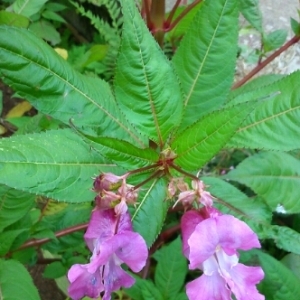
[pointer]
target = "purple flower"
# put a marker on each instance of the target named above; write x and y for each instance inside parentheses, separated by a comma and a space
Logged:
(210, 242)
(112, 241)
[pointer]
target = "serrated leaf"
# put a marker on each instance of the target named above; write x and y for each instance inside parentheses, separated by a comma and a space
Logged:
(274, 39)
(14, 205)
(145, 86)
(28, 8)
(279, 282)
(236, 203)
(171, 270)
(151, 211)
(251, 12)
(200, 142)
(12, 288)
(57, 164)
(275, 123)
(205, 72)
(254, 84)
(273, 176)
(48, 82)
(123, 153)
(285, 238)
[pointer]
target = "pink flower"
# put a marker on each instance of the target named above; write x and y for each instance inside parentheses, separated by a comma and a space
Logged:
(112, 241)
(210, 242)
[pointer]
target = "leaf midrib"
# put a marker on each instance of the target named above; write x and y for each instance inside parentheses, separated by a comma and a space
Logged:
(267, 119)
(205, 57)
(79, 92)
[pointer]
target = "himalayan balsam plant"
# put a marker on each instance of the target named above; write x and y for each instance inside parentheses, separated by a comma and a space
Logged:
(145, 140)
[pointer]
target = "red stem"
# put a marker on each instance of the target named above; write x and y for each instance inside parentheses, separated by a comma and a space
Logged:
(63, 232)
(182, 15)
(183, 172)
(261, 65)
(172, 12)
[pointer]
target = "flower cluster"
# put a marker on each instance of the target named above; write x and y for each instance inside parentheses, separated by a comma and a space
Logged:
(210, 242)
(189, 195)
(112, 242)
(113, 192)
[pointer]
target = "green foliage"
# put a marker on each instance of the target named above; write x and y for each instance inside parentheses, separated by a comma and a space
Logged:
(13, 288)
(151, 211)
(147, 92)
(206, 73)
(200, 142)
(171, 270)
(273, 176)
(251, 12)
(279, 283)
(273, 124)
(63, 173)
(159, 120)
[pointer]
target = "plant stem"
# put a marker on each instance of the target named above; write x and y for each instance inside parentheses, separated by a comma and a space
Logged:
(63, 232)
(183, 172)
(182, 15)
(172, 12)
(261, 65)
(154, 175)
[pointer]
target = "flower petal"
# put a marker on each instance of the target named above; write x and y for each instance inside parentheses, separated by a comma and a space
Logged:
(189, 221)
(235, 234)
(244, 280)
(203, 242)
(115, 278)
(208, 288)
(103, 224)
(84, 283)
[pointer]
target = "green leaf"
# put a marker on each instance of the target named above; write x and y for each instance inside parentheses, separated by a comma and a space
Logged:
(274, 39)
(12, 19)
(273, 176)
(285, 238)
(254, 84)
(28, 8)
(151, 211)
(205, 72)
(14, 205)
(200, 142)
(12, 288)
(295, 26)
(251, 12)
(275, 123)
(171, 270)
(56, 164)
(45, 30)
(51, 15)
(233, 201)
(145, 86)
(7, 238)
(45, 79)
(55, 270)
(292, 262)
(279, 282)
(143, 290)
(123, 153)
